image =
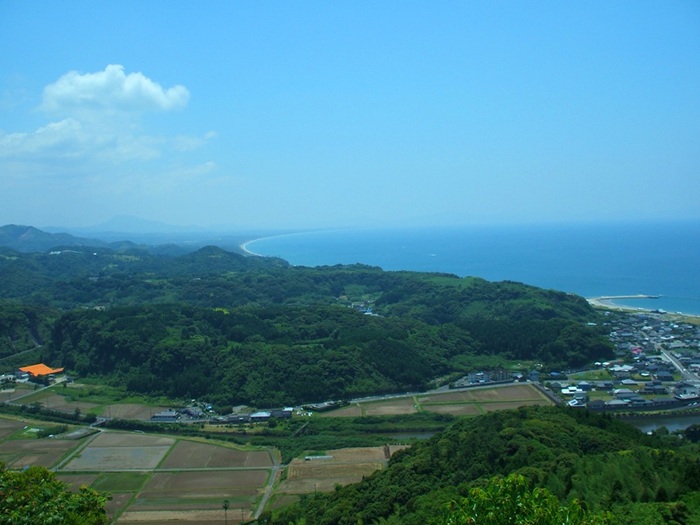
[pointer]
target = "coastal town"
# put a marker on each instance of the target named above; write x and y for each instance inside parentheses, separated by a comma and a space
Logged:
(657, 366)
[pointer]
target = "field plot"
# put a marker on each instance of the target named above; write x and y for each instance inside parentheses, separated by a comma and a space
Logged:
(480, 400)
(18, 453)
(466, 409)
(188, 454)
(346, 466)
(75, 481)
(121, 451)
(58, 402)
(402, 405)
(131, 411)
(202, 490)
(470, 402)
(193, 517)
(9, 426)
(354, 410)
(129, 439)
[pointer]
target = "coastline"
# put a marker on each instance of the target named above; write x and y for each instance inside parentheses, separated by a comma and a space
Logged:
(609, 302)
(244, 247)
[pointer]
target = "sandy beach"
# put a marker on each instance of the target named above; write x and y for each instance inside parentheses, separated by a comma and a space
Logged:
(244, 247)
(609, 302)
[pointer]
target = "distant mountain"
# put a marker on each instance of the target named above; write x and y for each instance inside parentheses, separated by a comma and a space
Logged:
(121, 226)
(30, 239)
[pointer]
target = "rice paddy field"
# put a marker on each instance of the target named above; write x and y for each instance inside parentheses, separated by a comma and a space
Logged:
(156, 479)
(468, 402)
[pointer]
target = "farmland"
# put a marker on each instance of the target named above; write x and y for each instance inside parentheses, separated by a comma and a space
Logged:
(471, 402)
(154, 479)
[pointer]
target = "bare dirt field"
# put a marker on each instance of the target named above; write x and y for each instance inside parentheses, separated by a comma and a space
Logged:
(75, 481)
(64, 404)
(9, 426)
(470, 402)
(117, 458)
(348, 411)
(346, 466)
(471, 409)
(501, 393)
(45, 452)
(188, 454)
(404, 405)
(192, 517)
(121, 451)
(480, 400)
(195, 492)
(130, 439)
(131, 411)
(206, 483)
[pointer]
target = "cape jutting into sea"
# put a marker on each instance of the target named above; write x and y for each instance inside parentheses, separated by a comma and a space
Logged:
(655, 259)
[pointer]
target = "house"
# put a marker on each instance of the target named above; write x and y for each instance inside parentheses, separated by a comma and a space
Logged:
(40, 370)
(166, 416)
(664, 376)
(617, 403)
(194, 412)
(624, 393)
(596, 404)
(256, 417)
(686, 391)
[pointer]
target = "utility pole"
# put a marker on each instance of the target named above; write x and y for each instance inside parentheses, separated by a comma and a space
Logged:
(225, 507)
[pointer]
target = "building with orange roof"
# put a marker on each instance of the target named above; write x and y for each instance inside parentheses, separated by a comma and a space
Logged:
(40, 370)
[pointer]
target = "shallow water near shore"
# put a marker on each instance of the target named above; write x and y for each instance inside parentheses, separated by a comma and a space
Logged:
(590, 260)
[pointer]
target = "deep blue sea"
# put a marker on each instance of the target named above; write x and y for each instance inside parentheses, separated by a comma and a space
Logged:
(590, 260)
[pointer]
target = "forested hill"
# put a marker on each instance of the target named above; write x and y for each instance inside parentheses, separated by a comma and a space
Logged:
(256, 330)
(610, 466)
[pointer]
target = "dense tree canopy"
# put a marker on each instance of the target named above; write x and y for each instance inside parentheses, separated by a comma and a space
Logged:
(35, 496)
(574, 455)
(257, 331)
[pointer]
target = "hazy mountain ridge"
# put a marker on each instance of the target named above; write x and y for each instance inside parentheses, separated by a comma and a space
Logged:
(27, 239)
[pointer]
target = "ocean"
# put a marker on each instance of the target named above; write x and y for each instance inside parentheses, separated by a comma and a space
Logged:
(593, 260)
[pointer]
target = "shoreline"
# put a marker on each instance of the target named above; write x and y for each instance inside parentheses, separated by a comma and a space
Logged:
(244, 245)
(608, 302)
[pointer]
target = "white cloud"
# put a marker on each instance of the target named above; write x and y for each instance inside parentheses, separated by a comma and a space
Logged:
(110, 90)
(70, 140)
(97, 127)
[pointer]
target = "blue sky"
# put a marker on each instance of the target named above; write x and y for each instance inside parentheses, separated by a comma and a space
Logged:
(336, 114)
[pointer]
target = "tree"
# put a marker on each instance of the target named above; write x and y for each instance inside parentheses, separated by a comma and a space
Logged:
(35, 495)
(510, 501)
(692, 433)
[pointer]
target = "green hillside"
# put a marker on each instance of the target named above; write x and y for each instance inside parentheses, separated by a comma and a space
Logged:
(574, 455)
(254, 330)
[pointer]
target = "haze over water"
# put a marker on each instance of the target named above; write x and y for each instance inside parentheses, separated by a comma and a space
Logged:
(589, 260)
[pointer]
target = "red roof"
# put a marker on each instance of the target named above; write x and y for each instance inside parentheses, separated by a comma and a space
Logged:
(40, 370)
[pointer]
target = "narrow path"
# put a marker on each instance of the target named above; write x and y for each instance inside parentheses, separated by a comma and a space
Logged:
(276, 466)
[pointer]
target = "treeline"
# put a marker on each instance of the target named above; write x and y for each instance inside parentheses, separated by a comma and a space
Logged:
(279, 355)
(23, 326)
(255, 330)
(608, 465)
